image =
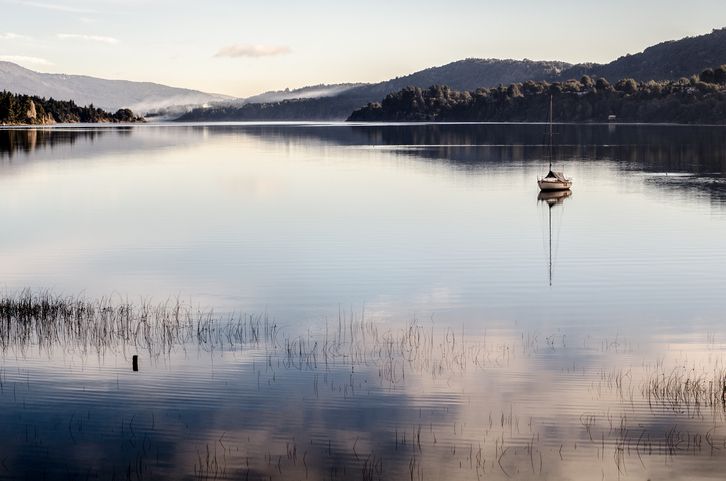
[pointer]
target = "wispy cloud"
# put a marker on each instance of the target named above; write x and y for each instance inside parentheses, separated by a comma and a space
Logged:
(87, 38)
(234, 51)
(54, 6)
(13, 36)
(22, 59)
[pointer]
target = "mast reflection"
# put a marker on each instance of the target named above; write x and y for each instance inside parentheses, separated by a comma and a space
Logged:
(552, 199)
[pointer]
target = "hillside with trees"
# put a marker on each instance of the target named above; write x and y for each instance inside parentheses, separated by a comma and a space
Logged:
(698, 99)
(472, 73)
(666, 61)
(30, 110)
(464, 74)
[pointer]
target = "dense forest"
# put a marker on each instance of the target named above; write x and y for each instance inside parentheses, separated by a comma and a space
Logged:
(30, 110)
(699, 99)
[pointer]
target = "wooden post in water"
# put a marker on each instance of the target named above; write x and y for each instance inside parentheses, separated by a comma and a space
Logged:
(135, 363)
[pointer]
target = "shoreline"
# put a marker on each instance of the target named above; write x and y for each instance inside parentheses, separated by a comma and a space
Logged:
(333, 123)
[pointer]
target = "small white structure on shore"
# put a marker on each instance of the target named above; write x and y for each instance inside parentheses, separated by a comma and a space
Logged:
(612, 118)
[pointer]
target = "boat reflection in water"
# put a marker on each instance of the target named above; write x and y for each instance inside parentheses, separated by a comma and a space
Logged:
(552, 198)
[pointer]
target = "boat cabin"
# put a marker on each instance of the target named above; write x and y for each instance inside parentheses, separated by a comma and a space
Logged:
(556, 176)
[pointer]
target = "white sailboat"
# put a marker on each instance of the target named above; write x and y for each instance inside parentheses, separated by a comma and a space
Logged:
(553, 181)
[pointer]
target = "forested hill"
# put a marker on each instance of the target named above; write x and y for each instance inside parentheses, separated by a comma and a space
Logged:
(472, 73)
(464, 74)
(30, 110)
(665, 61)
(700, 99)
(669, 60)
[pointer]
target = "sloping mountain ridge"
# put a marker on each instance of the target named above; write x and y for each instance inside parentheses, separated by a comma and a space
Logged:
(665, 61)
(669, 60)
(309, 92)
(141, 97)
(463, 74)
(472, 73)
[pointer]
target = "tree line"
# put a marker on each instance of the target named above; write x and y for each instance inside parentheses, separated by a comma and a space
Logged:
(18, 109)
(698, 99)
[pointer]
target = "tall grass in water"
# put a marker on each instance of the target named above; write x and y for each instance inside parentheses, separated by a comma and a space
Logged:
(684, 388)
(44, 320)
(497, 449)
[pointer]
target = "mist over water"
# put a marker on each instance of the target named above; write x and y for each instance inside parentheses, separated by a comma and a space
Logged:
(361, 302)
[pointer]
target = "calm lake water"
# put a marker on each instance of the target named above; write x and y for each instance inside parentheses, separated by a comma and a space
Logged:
(363, 302)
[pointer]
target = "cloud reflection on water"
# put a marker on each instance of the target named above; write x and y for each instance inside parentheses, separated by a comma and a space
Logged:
(398, 222)
(422, 399)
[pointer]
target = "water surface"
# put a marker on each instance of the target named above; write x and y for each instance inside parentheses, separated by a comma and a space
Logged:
(406, 269)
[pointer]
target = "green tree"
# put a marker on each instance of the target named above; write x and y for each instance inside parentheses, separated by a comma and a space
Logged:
(555, 88)
(628, 85)
(719, 74)
(7, 108)
(514, 91)
(530, 87)
(602, 84)
(708, 76)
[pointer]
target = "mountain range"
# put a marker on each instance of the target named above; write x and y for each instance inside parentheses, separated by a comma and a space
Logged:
(141, 97)
(665, 61)
(669, 60)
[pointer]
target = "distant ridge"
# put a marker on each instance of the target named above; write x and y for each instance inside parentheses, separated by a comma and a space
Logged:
(666, 61)
(312, 91)
(141, 97)
(669, 60)
(472, 73)
(463, 74)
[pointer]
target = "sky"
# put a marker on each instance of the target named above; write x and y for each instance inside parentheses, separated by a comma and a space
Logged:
(242, 48)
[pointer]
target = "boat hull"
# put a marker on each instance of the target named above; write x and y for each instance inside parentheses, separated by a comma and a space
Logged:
(546, 185)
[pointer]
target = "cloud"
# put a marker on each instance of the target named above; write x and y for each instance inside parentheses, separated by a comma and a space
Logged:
(234, 51)
(22, 59)
(13, 36)
(87, 38)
